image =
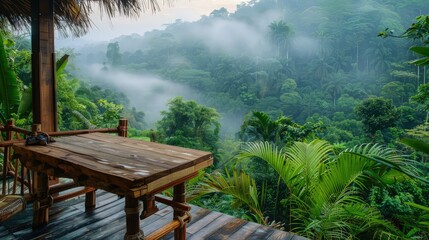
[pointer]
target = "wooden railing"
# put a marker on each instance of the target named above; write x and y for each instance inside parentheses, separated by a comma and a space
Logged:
(13, 169)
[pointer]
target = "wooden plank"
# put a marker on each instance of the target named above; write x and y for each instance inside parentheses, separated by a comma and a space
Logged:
(287, 235)
(24, 230)
(262, 232)
(201, 223)
(115, 154)
(60, 212)
(163, 149)
(94, 226)
(107, 221)
(75, 220)
(245, 232)
(132, 158)
(155, 148)
(227, 230)
(212, 227)
(281, 235)
(117, 227)
(4, 233)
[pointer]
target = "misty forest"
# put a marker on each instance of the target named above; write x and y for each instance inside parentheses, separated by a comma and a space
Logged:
(316, 111)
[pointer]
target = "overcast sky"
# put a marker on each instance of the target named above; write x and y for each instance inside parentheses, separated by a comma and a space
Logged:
(187, 10)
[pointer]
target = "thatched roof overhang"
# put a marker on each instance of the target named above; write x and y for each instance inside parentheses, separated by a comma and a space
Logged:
(69, 16)
(72, 16)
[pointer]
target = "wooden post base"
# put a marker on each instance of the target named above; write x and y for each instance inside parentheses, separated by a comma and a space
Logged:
(42, 203)
(132, 210)
(137, 236)
(179, 197)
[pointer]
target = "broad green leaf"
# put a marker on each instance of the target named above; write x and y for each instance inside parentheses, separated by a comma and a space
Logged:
(416, 144)
(62, 63)
(26, 102)
(421, 50)
(9, 88)
(420, 61)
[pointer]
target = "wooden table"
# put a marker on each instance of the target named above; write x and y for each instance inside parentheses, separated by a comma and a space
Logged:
(131, 168)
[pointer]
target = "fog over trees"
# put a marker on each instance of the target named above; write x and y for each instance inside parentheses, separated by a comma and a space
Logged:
(312, 59)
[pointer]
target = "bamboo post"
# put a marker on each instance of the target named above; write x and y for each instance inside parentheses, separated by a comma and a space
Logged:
(90, 199)
(6, 154)
(123, 127)
(41, 204)
(132, 209)
(179, 196)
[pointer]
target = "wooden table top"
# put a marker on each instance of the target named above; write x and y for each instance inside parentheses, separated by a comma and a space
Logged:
(112, 162)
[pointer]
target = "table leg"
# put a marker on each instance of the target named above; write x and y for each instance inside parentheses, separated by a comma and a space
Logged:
(42, 202)
(132, 212)
(179, 196)
(90, 200)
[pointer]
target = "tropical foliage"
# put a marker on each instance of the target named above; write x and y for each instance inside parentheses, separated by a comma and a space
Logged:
(324, 189)
(9, 83)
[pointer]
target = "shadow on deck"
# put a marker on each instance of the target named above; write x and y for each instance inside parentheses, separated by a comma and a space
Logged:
(68, 220)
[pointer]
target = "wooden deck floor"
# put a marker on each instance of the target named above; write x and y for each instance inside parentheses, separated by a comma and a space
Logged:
(68, 220)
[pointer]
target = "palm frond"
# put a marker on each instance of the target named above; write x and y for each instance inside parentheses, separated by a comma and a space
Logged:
(241, 186)
(309, 160)
(61, 64)
(83, 120)
(418, 145)
(273, 156)
(338, 186)
(382, 161)
(423, 220)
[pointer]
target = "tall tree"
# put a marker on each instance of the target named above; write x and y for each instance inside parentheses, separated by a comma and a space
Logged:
(281, 33)
(377, 114)
(260, 127)
(188, 124)
(113, 54)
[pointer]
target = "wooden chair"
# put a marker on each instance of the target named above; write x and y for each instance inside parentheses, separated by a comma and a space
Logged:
(11, 205)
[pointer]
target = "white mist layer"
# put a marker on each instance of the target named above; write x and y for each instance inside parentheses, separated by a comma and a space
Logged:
(146, 93)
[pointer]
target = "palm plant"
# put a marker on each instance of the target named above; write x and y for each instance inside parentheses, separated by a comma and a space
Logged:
(260, 127)
(324, 188)
(280, 34)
